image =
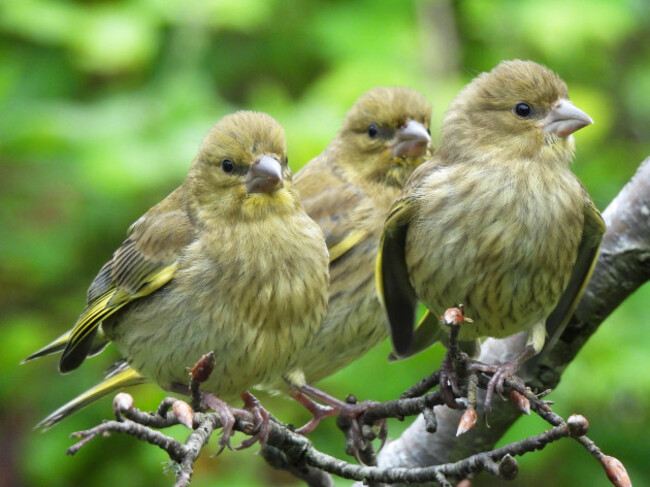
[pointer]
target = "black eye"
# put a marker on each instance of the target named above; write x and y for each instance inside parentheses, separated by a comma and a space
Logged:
(522, 109)
(372, 131)
(227, 165)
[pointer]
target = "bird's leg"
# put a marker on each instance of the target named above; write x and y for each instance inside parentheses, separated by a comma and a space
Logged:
(500, 373)
(352, 410)
(454, 359)
(225, 412)
(261, 416)
(448, 381)
(318, 411)
(349, 409)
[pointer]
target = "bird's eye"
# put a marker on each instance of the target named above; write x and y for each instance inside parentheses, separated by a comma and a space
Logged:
(373, 131)
(227, 165)
(522, 109)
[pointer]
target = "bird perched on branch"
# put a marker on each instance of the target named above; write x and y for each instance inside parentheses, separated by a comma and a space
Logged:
(495, 220)
(229, 262)
(348, 190)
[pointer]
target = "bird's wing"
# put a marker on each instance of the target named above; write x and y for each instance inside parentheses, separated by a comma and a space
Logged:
(142, 264)
(393, 283)
(117, 380)
(592, 235)
(330, 201)
(428, 332)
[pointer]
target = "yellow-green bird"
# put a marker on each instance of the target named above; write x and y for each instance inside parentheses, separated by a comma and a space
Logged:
(495, 220)
(348, 190)
(229, 262)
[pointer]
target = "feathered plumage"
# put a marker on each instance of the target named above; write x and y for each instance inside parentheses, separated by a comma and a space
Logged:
(495, 220)
(229, 262)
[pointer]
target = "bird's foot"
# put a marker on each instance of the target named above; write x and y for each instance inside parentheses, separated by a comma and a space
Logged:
(500, 373)
(318, 411)
(360, 434)
(227, 416)
(261, 417)
(449, 382)
(349, 411)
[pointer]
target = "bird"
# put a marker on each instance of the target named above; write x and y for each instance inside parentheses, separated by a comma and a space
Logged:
(348, 189)
(229, 262)
(495, 220)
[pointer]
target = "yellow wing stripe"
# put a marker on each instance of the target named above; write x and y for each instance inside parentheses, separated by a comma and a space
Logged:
(346, 244)
(379, 282)
(111, 301)
(90, 316)
(157, 280)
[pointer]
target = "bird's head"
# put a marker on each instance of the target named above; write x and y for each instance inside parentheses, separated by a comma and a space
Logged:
(385, 135)
(241, 169)
(520, 109)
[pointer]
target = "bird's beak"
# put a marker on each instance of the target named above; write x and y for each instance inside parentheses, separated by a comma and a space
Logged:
(565, 118)
(411, 140)
(264, 176)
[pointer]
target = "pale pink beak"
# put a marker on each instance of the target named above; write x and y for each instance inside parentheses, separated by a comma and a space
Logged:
(565, 118)
(264, 176)
(411, 140)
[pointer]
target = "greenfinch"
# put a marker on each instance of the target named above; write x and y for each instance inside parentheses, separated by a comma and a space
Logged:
(348, 190)
(495, 220)
(229, 262)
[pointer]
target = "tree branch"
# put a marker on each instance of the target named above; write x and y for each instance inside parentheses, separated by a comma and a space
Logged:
(419, 456)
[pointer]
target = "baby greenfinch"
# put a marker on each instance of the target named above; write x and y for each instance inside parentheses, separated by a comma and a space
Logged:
(229, 262)
(495, 220)
(348, 189)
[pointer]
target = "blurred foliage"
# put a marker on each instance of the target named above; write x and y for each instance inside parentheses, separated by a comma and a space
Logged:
(105, 102)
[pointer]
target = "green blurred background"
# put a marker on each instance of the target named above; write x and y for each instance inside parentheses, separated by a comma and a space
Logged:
(104, 104)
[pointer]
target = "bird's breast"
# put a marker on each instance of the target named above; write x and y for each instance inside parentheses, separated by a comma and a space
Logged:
(502, 242)
(251, 295)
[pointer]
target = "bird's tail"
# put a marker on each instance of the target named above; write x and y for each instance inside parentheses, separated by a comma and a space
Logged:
(57, 346)
(120, 378)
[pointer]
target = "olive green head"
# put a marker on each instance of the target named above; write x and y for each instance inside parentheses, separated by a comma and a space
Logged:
(520, 108)
(241, 168)
(385, 135)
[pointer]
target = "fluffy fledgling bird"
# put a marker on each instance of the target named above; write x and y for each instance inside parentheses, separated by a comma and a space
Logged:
(348, 190)
(495, 220)
(229, 262)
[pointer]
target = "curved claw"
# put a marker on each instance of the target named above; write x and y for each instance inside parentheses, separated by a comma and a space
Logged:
(227, 419)
(261, 418)
(500, 373)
